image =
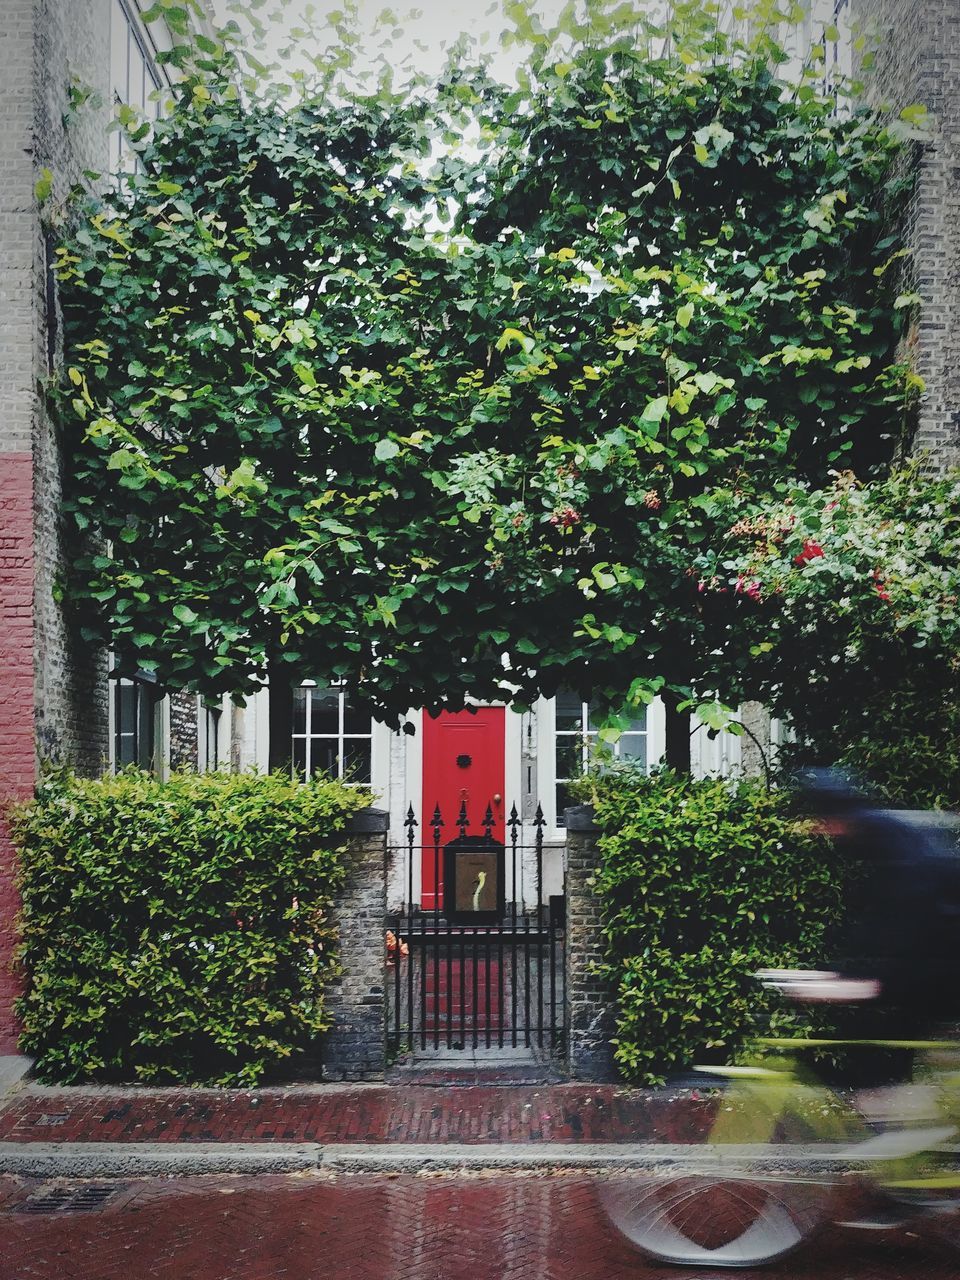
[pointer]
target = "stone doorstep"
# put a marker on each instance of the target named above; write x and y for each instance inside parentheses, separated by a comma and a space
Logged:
(13, 1070)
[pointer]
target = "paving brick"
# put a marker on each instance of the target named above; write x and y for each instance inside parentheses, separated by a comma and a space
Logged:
(304, 1227)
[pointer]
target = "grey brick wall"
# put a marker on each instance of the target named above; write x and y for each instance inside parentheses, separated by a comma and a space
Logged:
(183, 731)
(355, 1046)
(71, 46)
(590, 1002)
(917, 51)
(45, 45)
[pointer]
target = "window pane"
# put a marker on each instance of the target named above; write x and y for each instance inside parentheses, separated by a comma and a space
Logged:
(564, 801)
(354, 720)
(356, 759)
(299, 758)
(323, 757)
(569, 757)
(125, 724)
(569, 711)
(146, 718)
(636, 725)
(324, 711)
(126, 707)
(300, 711)
(633, 747)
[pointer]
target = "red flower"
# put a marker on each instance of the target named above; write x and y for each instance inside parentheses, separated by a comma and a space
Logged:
(566, 517)
(810, 551)
(879, 586)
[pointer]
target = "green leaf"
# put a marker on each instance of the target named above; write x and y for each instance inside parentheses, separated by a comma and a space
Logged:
(655, 410)
(43, 187)
(385, 450)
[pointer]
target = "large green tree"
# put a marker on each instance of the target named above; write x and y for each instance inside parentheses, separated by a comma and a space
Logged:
(432, 390)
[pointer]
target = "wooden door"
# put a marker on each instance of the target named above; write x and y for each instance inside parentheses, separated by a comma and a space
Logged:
(463, 762)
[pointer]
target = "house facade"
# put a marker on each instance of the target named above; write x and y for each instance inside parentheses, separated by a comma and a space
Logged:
(63, 69)
(65, 65)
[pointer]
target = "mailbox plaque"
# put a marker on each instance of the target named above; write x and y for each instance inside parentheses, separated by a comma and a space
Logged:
(473, 888)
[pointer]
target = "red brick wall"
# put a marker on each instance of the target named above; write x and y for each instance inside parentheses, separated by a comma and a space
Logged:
(17, 755)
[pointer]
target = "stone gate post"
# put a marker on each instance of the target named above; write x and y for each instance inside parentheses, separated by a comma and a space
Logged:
(590, 1003)
(355, 1046)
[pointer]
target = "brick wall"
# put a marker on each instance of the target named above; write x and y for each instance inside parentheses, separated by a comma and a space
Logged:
(17, 408)
(917, 50)
(355, 1047)
(52, 692)
(71, 45)
(590, 1003)
(16, 696)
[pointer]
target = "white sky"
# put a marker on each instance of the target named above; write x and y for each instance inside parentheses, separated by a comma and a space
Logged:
(427, 28)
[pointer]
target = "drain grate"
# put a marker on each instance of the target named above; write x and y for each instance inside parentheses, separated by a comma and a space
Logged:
(67, 1199)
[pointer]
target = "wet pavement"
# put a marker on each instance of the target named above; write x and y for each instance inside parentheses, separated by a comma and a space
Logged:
(312, 1226)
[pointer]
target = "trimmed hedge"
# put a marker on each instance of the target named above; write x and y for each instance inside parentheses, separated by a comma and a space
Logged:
(179, 930)
(703, 883)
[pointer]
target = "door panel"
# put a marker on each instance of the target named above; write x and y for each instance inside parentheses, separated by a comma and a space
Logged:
(463, 761)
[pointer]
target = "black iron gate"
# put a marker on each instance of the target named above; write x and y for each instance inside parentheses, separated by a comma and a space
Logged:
(482, 968)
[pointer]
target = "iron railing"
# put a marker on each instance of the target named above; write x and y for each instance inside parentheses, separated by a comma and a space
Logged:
(457, 985)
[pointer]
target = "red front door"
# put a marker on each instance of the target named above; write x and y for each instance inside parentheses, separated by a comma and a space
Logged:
(463, 762)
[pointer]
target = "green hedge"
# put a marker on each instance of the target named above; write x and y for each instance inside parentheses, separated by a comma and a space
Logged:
(702, 883)
(180, 930)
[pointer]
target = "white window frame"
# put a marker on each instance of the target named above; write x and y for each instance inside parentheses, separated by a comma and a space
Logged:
(213, 735)
(133, 44)
(161, 730)
(546, 734)
(340, 737)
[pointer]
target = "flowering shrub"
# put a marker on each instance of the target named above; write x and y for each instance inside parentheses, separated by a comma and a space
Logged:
(180, 930)
(842, 605)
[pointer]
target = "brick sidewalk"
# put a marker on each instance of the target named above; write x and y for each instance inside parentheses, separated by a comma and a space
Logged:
(375, 1228)
(368, 1113)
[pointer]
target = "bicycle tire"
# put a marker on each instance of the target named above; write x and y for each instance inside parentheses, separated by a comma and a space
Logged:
(710, 1220)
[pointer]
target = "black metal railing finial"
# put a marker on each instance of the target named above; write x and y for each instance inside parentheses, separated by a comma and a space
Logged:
(488, 823)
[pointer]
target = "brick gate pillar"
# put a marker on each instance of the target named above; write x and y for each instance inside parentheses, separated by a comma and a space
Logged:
(17, 750)
(355, 1046)
(590, 1003)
